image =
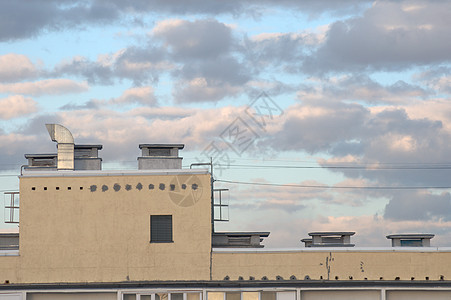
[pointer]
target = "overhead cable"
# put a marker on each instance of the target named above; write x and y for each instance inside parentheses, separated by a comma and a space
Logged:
(334, 186)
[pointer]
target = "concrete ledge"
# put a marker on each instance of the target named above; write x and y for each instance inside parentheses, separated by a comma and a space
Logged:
(112, 173)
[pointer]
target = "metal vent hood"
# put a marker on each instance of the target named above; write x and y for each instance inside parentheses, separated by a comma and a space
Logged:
(65, 146)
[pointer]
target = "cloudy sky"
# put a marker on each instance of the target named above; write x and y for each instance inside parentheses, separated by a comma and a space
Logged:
(318, 114)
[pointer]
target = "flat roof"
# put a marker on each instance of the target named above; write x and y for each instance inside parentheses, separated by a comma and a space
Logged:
(41, 155)
(87, 146)
(180, 146)
(87, 173)
(243, 233)
(411, 236)
(327, 233)
(331, 249)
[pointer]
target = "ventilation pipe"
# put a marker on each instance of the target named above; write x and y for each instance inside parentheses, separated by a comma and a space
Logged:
(65, 145)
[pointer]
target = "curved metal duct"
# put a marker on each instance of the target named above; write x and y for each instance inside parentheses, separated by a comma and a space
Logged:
(65, 146)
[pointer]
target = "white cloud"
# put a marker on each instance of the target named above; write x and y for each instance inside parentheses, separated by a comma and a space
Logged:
(45, 87)
(14, 67)
(201, 89)
(16, 106)
(140, 95)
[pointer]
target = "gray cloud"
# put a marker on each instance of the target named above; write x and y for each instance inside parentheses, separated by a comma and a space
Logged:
(360, 87)
(53, 15)
(389, 36)
(200, 39)
(139, 64)
(29, 138)
(419, 206)
(94, 73)
(50, 15)
(283, 51)
(208, 71)
(320, 131)
(91, 104)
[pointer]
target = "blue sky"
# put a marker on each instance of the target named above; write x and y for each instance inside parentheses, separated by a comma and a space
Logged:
(360, 84)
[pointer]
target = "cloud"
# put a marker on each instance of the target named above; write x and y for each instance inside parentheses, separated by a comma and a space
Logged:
(387, 37)
(316, 128)
(12, 147)
(211, 80)
(438, 79)
(139, 64)
(122, 132)
(138, 95)
(16, 67)
(208, 72)
(283, 51)
(199, 39)
(362, 88)
(45, 87)
(51, 15)
(201, 89)
(272, 198)
(94, 72)
(91, 104)
(28, 138)
(419, 205)
(16, 106)
(164, 113)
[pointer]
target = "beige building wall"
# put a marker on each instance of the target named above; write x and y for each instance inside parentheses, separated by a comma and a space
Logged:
(97, 229)
(341, 265)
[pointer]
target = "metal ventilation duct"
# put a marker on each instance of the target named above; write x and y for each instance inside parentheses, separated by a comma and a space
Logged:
(65, 146)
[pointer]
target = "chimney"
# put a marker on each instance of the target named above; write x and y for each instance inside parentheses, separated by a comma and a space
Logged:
(65, 146)
(160, 156)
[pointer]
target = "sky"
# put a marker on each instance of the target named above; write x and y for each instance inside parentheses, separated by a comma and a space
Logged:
(318, 115)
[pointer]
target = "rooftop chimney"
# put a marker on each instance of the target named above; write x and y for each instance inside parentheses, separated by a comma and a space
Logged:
(65, 146)
(160, 156)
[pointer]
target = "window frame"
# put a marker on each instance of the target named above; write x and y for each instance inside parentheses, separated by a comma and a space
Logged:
(160, 228)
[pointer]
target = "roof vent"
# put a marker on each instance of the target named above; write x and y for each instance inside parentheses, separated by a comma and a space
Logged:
(65, 146)
(411, 239)
(160, 156)
(238, 239)
(329, 239)
(87, 157)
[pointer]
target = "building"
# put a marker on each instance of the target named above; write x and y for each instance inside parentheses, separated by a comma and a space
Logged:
(86, 233)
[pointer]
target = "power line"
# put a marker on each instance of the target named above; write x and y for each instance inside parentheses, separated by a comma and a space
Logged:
(370, 168)
(336, 187)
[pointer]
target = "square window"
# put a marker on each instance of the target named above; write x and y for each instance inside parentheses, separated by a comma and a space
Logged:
(161, 229)
(176, 296)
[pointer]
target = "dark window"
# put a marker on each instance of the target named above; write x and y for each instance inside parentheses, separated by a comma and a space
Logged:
(161, 229)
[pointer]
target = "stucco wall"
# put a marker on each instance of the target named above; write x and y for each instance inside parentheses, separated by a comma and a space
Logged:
(341, 265)
(99, 229)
